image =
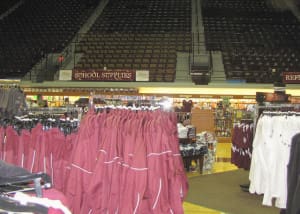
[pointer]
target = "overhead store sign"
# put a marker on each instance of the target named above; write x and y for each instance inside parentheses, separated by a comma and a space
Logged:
(103, 75)
(291, 77)
(116, 75)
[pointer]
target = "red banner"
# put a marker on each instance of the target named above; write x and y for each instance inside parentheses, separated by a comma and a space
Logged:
(291, 77)
(116, 75)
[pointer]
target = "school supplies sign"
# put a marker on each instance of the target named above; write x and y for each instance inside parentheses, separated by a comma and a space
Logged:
(103, 75)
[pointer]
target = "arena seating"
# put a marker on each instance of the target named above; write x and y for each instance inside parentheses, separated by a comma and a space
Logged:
(6, 5)
(36, 28)
(139, 35)
(254, 38)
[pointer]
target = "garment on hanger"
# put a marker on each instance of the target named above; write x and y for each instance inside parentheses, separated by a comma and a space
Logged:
(118, 158)
(293, 182)
(241, 148)
(39, 143)
(12, 101)
(127, 161)
(270, 156)
(10, 205)
(22, 191)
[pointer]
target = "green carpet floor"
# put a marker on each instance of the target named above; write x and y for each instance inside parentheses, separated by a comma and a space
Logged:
(221, 191)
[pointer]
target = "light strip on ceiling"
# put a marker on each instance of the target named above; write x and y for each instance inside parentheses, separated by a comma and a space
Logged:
(212, 91)
(219, 91)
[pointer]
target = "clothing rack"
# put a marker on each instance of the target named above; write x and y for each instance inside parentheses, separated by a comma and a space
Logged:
(67, 119)
(68, 111)
(280, 107)
(70, 114)
(122, 143)
(13, 101)
(272, 110)
(11, 175)
(16, 182)
(36, 178)
(275, 127)
(120, 100)
(9, 205)
(9, 85)
(133, 108)
(280, 113)
(277, 107)
(133, 103)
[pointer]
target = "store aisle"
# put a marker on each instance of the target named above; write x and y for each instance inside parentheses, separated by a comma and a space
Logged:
(190, 208)
(222, 164)
(222, 161)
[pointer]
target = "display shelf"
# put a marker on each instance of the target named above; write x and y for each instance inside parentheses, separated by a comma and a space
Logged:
(223, 121)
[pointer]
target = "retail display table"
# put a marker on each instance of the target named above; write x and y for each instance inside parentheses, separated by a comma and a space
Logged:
(192, 151)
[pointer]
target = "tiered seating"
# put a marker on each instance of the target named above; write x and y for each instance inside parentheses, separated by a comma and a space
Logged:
(139, 35)
(6, 4)
(255, 64)
(253, 37)
(153, 52)
(36, 28)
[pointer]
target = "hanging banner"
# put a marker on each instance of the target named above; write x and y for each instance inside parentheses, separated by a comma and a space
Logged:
(65, 75)
(103, 75)
(142, 75)
(291, 77)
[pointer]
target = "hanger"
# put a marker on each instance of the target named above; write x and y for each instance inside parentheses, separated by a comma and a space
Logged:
(10, 205)
(36, 178)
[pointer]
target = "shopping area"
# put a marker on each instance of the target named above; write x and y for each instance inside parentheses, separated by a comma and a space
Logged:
(227, 104)
(208, 116)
